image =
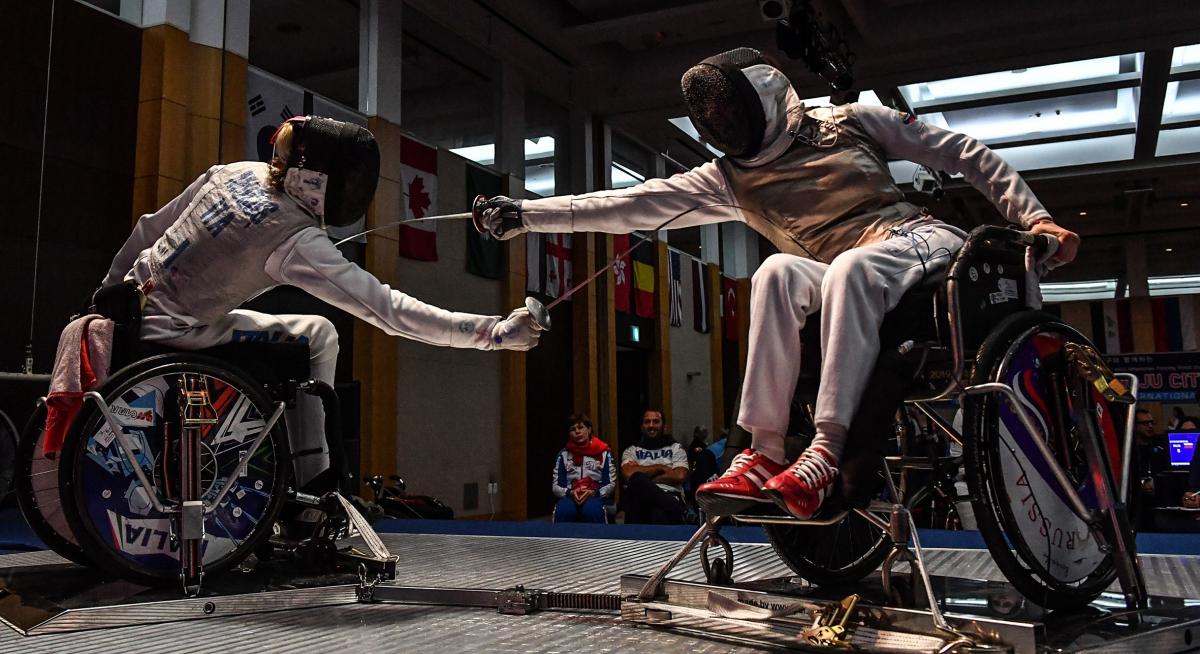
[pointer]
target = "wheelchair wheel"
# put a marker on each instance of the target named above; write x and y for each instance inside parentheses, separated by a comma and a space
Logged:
(830, 555)
(8, 456)
(36, 486)
(1055, 560)
(109, 510)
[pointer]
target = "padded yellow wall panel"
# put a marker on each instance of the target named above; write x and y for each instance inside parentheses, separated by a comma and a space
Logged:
(172, 142)
(176, 65)
(151, 77)
(204, 140)
(235, 90)
(149, 129)
(204, 81)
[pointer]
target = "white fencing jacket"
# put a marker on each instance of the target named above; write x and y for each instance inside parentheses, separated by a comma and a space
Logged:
(231, 235)
(818, 186)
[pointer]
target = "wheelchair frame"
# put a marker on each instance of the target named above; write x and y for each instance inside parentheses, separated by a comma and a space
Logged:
(187, 516)
(899, 526)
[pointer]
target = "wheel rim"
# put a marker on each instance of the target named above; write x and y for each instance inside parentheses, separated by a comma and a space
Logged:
(1050, 538)
(38, 493)
(843, 546)
(116, 508)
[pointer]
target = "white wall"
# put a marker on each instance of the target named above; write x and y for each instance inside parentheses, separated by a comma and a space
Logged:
(691, 398)
(448, 413)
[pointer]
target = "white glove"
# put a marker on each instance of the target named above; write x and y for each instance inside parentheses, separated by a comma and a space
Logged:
(516, 332)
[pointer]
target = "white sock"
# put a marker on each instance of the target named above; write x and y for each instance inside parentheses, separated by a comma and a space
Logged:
(768, 444)
(832, 438)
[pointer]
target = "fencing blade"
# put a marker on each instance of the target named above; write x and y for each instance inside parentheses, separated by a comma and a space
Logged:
(466, 215)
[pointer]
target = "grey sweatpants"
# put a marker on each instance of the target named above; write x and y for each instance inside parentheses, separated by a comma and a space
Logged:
(853, 293)
(305, 423)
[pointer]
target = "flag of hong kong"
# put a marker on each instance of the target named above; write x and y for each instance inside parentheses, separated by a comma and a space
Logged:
(418, 172)
(621, 273)
(729, 310)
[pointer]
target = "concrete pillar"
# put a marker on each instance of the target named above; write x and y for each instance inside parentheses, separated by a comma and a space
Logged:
(739, 250)
(509, 90)
(580, 153)
(376, 357)
(1135, 267)
(710, 243)
(379, 61)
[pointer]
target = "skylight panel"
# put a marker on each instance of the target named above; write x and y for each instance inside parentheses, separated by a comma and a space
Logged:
(1042, 118)
(1178, 141)
(1182, 101)
(1012, 80)
(1070, 153)
(1185, 56)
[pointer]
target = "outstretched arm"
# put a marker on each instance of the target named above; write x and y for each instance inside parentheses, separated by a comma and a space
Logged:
(645, 206)
(904, 137)
(151, 226)
(309, 261)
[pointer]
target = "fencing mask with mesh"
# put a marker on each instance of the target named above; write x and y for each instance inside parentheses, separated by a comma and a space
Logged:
(723, 104)
(333, 168)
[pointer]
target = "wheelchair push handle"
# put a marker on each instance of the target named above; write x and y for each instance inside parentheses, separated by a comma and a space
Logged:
(1043, 245)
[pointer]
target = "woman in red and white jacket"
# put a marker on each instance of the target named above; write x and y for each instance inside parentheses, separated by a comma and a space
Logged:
(584, 475)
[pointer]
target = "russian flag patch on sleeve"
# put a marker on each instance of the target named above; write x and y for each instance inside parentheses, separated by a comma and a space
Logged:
(907, 118)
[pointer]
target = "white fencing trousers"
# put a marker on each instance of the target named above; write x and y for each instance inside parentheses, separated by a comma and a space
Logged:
(305, 423)
(853, 293)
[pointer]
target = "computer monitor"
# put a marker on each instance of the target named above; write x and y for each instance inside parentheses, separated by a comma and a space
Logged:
(1182, 445)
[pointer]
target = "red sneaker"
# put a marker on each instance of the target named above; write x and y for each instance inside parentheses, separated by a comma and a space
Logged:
(740, 488)
(802, 488)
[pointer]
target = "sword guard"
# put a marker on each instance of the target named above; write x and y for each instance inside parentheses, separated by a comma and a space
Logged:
(538, 313)
(477, 214)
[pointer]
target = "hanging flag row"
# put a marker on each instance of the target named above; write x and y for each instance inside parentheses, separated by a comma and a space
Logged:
(676, 287)
(548, 264)
(418, 199)
(1172, 323)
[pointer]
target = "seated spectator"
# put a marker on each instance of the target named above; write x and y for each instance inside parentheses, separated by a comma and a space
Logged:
(1150, 459)
(584, 476)
(654, 470)
(1191, 499)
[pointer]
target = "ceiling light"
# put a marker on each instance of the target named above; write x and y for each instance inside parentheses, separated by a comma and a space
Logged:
(1183, 204)
(1083, 213)
(1170, 249)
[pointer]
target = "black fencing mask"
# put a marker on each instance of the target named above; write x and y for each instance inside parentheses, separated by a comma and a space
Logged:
(723, 104)
(341, 159)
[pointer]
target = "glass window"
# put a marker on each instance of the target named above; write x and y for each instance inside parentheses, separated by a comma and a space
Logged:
(309, 42)
(546, 158)
(446, 99)
(632, 163)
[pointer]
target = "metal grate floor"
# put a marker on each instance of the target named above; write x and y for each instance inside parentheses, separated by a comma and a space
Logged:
(560, 564)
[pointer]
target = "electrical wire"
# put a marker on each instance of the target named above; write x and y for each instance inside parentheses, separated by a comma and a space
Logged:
(37, 239)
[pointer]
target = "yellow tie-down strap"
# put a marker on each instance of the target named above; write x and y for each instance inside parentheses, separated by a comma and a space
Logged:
(1091, 367)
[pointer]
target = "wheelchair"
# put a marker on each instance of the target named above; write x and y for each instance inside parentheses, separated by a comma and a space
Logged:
(179, 466)
(1046, 436)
